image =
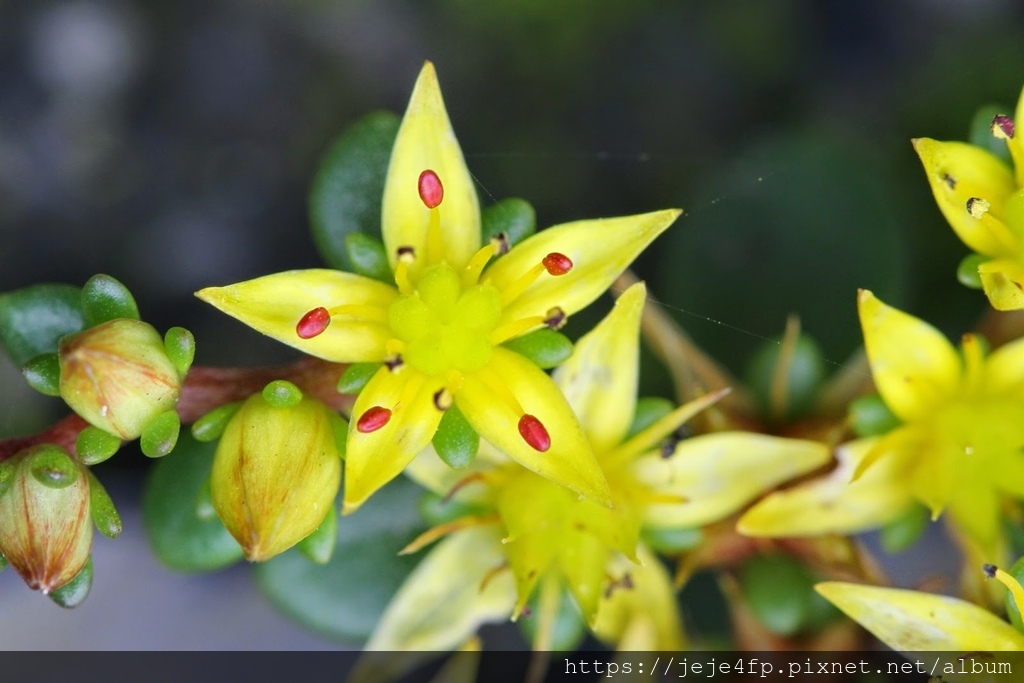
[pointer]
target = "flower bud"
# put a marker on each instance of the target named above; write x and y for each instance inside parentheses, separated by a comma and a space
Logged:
(45, 527)
(275, 474)
(117, 376)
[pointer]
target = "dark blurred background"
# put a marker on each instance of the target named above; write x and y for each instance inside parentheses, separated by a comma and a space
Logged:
(171, 144)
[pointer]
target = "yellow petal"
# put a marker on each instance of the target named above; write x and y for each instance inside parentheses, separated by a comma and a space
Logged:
(975, 506)
(1003, 282)
(569, 461)
(719, 473)
(1004, 371)
(450, 594)
(914, 366)
(1016, 144)
(600, 379)
(958, 172)
(426, 141)
(599, 250)
(833, 504)
(643, 617)
(274, 304)
(911, 621)
(373, 459)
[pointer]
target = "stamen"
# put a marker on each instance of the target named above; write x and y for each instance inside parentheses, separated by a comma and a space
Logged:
(556, 318)
(313, 323)
(1002, 127)
(534, 433)
(430, 189)
(476, 264)
(1008, 580)
(514, 329)
(406, 256)
(373, 419)
(500, 242)
(977, 207)
(557, 264)
(443, 399)
(394, 363)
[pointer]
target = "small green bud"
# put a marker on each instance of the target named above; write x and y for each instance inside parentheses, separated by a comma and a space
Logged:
(967, 272)
(356, 376)
(160, 434)
(105, 299)
(870, 416)
(95, 445)
(282, 394)
(368, 256)
(210, 426)
(117, 376)
(319, 545)
(275, 474)
(43, 374)
(545, 348)
(74, 592)
(180, 346)
(46, 532)
(104, 514)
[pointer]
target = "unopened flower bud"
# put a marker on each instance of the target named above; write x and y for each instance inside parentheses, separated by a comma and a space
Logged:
(45, 526)
(275, 474)
(117, 376)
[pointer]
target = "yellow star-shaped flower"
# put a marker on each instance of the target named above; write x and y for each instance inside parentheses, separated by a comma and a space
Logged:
(439, 330)
(961, 444)
(983, 200)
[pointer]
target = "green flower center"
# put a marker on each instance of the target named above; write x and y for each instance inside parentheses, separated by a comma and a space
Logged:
(444, 326)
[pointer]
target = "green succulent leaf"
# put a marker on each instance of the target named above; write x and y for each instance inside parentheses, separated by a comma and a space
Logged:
(903, 532)
(319, 545)
(282, 394)
(160, 434)
(210, 426)
(179, 537)
(105, 298)
(870, 416)
(101, 507)
(545, 348)
(780, 593)
(569, 629)
(455, 440)
(368, 256)
(344, 598)
(95, 445)
(649, 409)
(33, 319)
(180, 346)
(74, 592)
(348, 187)
(514, 217)
(967, 272)
(356, 376)
(43, 374)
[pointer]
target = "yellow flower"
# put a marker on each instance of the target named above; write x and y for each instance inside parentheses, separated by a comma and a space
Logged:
(983, 200)
(548, 536)
(959, 447)
(439, 330)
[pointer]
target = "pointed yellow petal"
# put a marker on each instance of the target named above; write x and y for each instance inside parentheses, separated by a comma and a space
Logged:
(1004, 371)
(600, 379)
(569, 461)
(641, 616)
(274, 304)
(426, 141)
(833, 504)
(449, 595)
(1003, 282)
(720, 473)
(958, 172)
(911, 621)
(914, 366)
(374, 458)
(975, 506)
(599, 250)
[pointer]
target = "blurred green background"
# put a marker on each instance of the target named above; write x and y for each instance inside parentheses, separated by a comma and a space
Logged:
(171, 144)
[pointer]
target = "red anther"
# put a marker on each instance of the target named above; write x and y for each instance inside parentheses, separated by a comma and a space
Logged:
(557, 264)
(1003, 127)
(313, 323)
(430, 189)
(533, 433)
(373, 419)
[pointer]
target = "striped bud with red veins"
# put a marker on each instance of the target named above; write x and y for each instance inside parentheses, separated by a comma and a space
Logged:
(275, 474)
(45, 527)
(117, 376)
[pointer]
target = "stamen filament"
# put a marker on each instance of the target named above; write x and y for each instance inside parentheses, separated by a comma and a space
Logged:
(361, 312)
(402, 276)
(515, 328)
(476, 264)
(515, 290)
(435, 243)
(1007, 579)
(500, 391)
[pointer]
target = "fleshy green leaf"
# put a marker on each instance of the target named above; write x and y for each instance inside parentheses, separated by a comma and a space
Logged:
(180, 346)
(514, 217)
(282, 394)
(356, 376)
(179, 538)
(101, 507)
(43, 374)
(210, 426)
(33, 319)
(780, 592)
(368, 257)
(806, 372)
(52, 467)
(348, 187)
(672, 540)
(105, 298)
(95, 445)
(1012, 612)
(569, 628)
(544, 347)
(455, 440)
(967, 272)
(160, 434)
(649, 409)
(319, 545)
(980, 134)
(3, 563)
(903, 532)
(74, 592)
(344, 598)
(870, 416)
(437, 510)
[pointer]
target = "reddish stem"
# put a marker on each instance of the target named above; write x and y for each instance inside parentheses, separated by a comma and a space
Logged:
(207, 388)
